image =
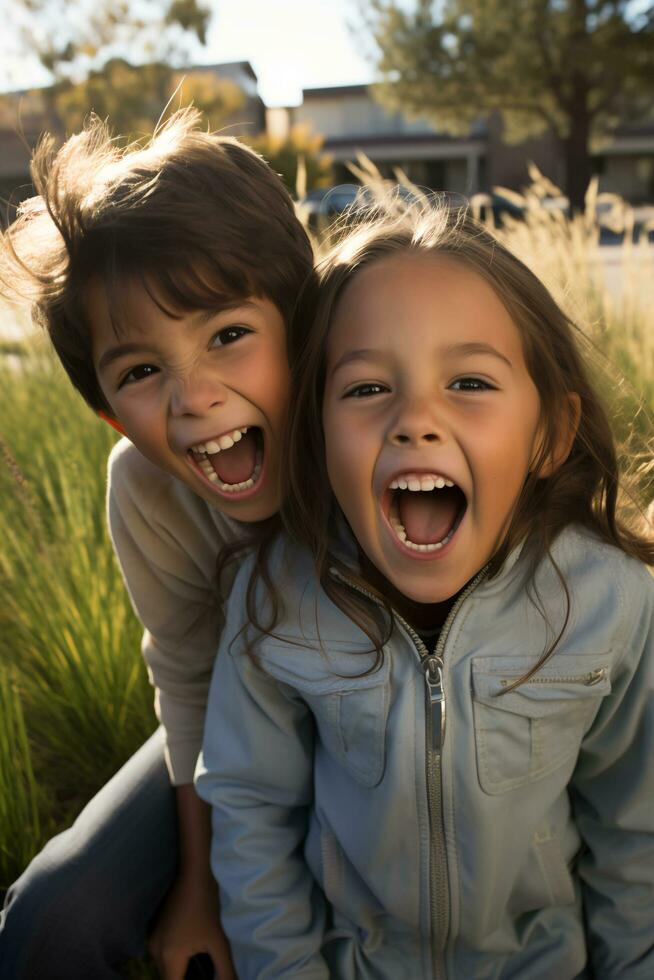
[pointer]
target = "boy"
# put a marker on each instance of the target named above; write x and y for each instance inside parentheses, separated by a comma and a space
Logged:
(165, 276)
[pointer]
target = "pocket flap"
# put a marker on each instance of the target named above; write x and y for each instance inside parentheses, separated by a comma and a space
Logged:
(336, 669)
(571, 677)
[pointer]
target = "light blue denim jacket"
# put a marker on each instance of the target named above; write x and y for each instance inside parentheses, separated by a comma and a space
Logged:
(349, 843)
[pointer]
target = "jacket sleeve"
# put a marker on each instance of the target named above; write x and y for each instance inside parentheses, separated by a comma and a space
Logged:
(167, 542)
(255, 770)
(613, 797)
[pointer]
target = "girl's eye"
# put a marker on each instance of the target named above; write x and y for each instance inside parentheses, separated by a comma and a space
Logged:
(366, 390)
(471, 384)
(138, 373)
(229, 335)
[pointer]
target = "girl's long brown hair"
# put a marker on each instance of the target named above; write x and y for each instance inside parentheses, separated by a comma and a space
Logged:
(584, 490)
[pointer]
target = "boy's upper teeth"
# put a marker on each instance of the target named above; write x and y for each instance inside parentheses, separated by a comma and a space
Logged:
(419, 481)
(223, 442)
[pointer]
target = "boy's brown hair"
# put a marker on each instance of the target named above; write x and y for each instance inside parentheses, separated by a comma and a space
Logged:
(198, 218)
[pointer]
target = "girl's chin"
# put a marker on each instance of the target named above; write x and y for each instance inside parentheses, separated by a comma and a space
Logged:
(424, 594)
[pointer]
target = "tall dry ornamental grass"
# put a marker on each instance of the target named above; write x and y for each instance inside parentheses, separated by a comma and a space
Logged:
(74, 698)
(608, 292)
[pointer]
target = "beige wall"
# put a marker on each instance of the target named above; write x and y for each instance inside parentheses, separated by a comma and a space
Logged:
(356, 114)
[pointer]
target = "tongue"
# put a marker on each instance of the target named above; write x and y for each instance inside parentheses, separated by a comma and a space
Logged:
(235, 465)
(427, 517)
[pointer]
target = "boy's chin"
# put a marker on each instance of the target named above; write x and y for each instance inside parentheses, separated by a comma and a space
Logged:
(249, 511)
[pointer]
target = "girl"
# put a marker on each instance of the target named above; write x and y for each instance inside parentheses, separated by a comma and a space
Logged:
(436, 759)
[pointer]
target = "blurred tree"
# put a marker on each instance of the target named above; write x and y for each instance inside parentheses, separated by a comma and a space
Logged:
(132, 97)
(120, 60)
(296, 157)
(71, 43)
(574, 66)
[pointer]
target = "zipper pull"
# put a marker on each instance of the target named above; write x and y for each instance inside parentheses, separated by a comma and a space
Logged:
(433, 668)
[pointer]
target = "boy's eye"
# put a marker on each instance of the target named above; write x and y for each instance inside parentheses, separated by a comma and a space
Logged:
(366, 390)
(471, 384)
(228, 335)
(138, 373)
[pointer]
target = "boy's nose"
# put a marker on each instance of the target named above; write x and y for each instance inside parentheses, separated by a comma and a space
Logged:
(195, 395)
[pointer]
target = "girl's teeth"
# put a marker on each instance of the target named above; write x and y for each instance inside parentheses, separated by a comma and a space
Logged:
(414, 482)
(211, 447)
(398, 527)
(225, 442)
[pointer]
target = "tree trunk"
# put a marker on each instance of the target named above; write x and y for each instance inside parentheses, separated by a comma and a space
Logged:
(578, 165)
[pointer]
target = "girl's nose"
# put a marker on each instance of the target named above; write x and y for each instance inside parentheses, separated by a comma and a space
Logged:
(405, 437)
(416, 424)
(195, 394)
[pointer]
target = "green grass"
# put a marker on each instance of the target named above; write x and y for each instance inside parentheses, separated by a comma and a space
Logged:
(23, 823)
(74, 696)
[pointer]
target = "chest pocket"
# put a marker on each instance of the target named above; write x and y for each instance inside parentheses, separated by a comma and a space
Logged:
(350, 711)
(525, 734)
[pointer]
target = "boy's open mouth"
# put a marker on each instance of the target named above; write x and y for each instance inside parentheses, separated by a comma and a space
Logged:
(232, 461)
(425, 510)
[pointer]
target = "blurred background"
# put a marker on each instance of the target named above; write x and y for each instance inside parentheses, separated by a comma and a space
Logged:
(539, 112)
(460, 95)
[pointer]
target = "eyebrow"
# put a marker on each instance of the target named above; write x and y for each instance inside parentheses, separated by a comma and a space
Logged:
(203, 317)
(476, 347)
(121, 350)
(362, 354)
(464, 349)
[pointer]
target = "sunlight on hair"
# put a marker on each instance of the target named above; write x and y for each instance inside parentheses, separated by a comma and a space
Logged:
(605, 291)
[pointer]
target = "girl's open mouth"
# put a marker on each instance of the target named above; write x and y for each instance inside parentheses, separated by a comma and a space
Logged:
(425, 510)
(232, 462)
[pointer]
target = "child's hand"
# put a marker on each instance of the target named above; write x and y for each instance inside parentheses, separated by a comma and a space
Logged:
(189, 923)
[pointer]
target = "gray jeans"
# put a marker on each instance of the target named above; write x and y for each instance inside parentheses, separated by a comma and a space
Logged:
(83, 906)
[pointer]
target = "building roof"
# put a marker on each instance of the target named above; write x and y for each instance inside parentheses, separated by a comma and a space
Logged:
(222, 65)
(334, 90)
(188, 69)
(403, 139)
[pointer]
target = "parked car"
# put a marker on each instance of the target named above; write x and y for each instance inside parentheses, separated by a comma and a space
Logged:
(323, 204)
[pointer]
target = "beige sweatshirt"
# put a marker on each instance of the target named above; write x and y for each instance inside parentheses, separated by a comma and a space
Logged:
(167, 541)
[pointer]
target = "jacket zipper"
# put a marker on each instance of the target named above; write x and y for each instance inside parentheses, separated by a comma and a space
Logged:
(432, 667)
(436, 717)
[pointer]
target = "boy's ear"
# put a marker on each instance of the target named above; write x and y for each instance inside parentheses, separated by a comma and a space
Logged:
(114, 423)
(567, 426)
